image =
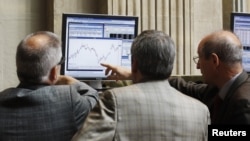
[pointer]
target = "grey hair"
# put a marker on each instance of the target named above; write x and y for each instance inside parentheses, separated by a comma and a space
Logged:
(34, 65)
(154, 52)
(227, 49)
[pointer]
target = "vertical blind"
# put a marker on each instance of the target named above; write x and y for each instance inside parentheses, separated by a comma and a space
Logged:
(174, 17)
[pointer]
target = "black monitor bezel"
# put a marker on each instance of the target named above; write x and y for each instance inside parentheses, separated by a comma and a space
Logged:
(232, 17)
(88, 15)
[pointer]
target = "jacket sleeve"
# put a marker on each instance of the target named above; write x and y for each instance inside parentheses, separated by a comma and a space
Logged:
(101, 122)
(83, 98)
(188, 87)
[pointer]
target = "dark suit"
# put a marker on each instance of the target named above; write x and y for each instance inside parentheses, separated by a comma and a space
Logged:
(235, 108)
(44, 112)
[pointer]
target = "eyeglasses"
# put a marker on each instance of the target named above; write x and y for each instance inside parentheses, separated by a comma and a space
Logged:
(61, 61)
(196, 59)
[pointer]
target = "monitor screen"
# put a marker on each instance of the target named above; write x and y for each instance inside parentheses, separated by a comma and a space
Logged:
(91, 39)
(240, 25)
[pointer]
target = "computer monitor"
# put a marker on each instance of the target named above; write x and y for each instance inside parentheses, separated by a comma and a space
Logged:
(240, 25)
(91, 39)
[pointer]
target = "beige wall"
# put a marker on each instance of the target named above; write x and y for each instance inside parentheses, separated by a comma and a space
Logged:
(21, 17)
(75, 6)
(17, 18)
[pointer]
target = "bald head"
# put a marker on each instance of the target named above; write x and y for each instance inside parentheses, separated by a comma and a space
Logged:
(220, 57)
(223, 36)
(37, 41)
(36, 54)
(225, 44)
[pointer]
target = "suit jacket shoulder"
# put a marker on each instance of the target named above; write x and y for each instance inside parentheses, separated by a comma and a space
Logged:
(144, 111)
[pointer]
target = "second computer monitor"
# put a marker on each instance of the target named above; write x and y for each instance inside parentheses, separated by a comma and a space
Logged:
(240, 25)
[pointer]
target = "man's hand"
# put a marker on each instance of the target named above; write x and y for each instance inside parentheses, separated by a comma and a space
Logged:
(117, 72)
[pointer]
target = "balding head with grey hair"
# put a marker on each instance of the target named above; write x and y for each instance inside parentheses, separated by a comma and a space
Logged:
(36, 55)
(220, 57)
(225, 44)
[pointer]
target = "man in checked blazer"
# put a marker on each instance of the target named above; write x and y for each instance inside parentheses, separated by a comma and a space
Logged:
(150, 109)
(220, 62)
(45, 106)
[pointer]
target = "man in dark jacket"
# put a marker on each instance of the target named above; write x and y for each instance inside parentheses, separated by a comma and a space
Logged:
(38, 109)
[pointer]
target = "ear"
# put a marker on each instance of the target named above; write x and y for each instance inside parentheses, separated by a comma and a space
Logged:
(53, 74)
(215, 59)
(134, 66)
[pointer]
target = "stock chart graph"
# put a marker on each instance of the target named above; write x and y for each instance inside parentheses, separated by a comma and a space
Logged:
(89, 53)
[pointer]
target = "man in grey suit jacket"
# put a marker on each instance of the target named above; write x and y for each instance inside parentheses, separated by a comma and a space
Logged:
(150, 109)
(44, 106)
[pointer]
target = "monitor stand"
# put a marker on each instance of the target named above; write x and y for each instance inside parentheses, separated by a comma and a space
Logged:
(96, 84)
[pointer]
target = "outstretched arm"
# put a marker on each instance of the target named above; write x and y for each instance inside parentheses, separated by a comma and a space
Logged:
(117, 72)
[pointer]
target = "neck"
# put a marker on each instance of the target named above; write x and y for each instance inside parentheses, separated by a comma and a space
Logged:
(227, 74)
